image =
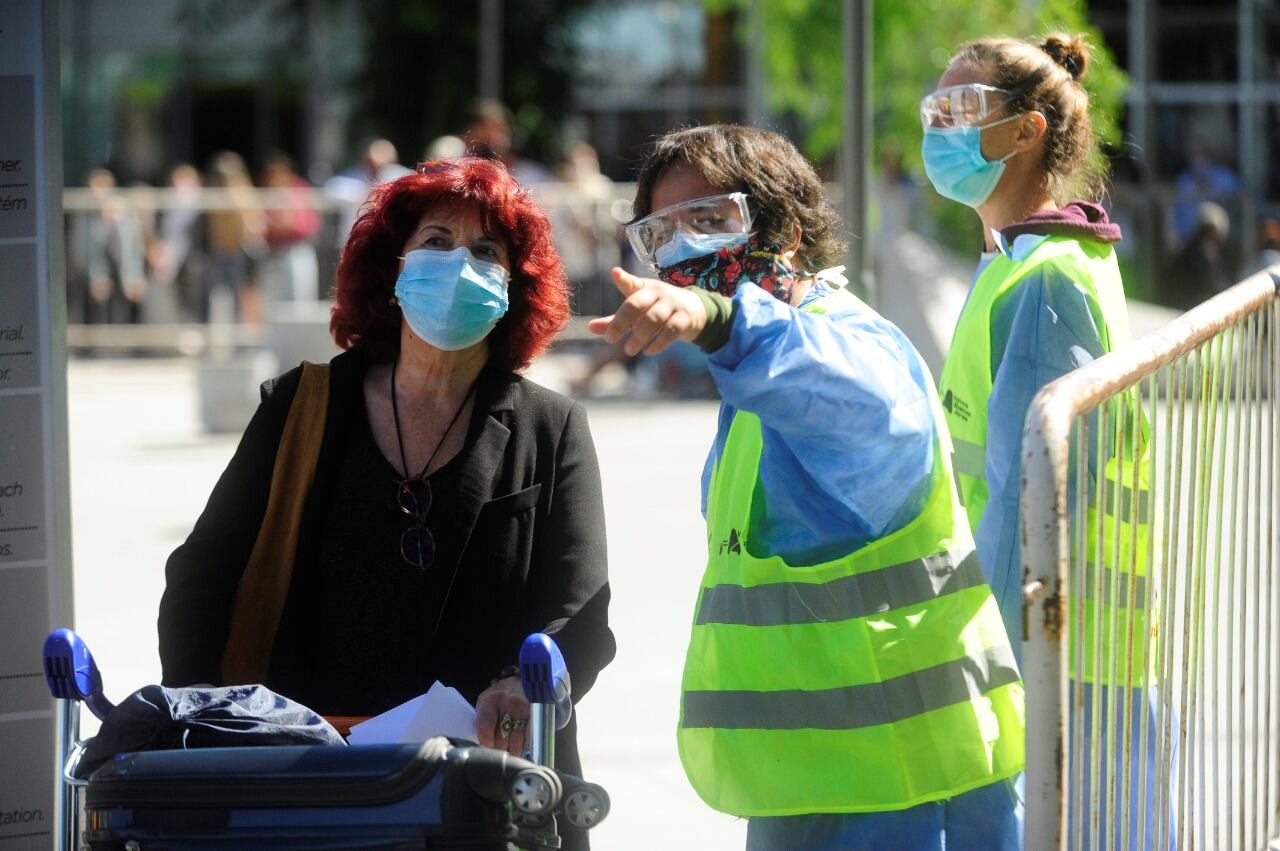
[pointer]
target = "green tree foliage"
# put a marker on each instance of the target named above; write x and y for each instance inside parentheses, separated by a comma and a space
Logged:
(912, 43)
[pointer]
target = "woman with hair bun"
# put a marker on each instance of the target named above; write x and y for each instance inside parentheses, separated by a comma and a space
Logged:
(1007, 132)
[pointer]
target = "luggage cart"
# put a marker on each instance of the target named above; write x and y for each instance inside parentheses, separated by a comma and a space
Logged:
(442, 793)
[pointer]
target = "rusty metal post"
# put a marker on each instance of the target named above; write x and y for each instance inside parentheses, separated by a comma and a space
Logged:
(1045, 547)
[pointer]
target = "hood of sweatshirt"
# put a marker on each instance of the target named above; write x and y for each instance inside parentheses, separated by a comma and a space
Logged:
(1079, 219)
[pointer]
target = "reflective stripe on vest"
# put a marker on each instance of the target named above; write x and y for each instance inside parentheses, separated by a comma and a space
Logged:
(876, 591)
(851, 707)
(966, 384)
(970, 459)
(873, 682)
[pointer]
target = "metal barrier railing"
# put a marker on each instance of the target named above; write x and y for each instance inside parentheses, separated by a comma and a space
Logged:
(1152, 615)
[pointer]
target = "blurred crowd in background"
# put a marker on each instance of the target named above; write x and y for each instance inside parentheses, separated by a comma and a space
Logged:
(267, 235)
(140, 256)
(216, 153)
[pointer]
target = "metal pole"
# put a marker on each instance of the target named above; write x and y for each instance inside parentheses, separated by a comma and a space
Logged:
(1251, 163)
(757, 94)
(490, 71)
(855, 157)
(542, 733)
(1141, 48)
(68, 805)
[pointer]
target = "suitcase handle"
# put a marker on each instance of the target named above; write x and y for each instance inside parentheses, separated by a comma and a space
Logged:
(545, 678)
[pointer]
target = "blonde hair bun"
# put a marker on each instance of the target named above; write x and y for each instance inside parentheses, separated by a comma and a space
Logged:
(1071, 53)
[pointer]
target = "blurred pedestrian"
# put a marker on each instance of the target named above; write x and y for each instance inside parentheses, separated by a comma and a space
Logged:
(848, 683)
(487, 132)
(445, 147)
(1203, 179)
(379, 163)
(1007, 133)
(236, 245)
(177, 255)
(1268, 244)
(291, 270)
(585, 231)
(107, 255)
(1199, 269)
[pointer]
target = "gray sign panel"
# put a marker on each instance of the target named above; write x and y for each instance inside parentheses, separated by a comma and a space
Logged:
(19, 318)
(26, 811)
(35, 552)
(22, 536)
(17, 157)
(22, 686)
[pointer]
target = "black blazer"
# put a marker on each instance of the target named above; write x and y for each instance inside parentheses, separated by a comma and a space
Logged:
(524, 549)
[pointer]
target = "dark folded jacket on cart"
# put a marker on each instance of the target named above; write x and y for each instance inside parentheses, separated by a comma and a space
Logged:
(159, 718)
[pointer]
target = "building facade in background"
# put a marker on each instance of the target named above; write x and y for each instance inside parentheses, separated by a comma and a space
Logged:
(1203, 117)
(151, 83)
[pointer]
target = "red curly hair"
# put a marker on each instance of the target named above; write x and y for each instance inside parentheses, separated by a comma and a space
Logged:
(538, 292)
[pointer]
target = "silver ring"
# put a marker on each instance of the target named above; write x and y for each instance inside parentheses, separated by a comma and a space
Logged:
(519, 725)
(505, 725)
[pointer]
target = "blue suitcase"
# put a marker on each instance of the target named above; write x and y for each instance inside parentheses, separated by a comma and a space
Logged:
(440, 794)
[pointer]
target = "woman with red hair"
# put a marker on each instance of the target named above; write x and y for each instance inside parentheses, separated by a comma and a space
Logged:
(453, 507)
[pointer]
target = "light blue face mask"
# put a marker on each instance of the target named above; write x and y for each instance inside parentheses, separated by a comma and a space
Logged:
(686, 246)
(449, 298)
(954, 163)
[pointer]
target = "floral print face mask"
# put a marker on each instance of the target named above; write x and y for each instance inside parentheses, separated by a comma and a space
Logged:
(724, 269)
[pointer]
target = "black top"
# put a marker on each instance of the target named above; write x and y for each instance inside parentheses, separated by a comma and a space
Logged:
(367, 595)
(520, 548)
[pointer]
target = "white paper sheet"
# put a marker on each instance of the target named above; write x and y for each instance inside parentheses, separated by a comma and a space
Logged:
(442, 711)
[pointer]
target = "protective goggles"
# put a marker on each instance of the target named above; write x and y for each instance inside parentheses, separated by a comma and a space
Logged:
(961, 106)
(717, 214)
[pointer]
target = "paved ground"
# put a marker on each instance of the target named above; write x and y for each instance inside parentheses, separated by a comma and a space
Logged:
(142, 470)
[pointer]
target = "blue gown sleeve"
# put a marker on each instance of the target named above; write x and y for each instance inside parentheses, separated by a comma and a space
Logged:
(847, 425)
(1041, 331)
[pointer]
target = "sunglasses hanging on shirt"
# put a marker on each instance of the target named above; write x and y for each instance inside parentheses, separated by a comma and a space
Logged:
(413, 494)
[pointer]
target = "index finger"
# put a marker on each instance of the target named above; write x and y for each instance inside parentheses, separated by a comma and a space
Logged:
(600, 324)
(631, 310)
(626, 282)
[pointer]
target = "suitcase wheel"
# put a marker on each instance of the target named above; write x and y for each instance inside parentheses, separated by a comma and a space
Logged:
(586, 806)
(535, 791)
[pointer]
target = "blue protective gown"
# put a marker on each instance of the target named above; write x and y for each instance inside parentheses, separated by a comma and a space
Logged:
(1040, 330)
(848, 447)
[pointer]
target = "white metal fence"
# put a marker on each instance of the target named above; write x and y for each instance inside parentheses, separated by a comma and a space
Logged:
(1152, 620)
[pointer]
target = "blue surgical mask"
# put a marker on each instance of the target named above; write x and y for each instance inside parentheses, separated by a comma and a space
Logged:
(685, 246)
(954, 163)
(449, 298)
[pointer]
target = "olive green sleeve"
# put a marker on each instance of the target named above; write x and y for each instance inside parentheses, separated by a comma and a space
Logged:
(719, 319)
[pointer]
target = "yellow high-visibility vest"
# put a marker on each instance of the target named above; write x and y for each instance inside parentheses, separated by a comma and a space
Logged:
(873, 682)
(966, 388)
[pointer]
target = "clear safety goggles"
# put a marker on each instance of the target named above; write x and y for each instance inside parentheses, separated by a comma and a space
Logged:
(961, 106)
(717, 214)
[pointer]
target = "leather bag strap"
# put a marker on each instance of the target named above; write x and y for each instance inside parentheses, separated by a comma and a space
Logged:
(260, 597)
